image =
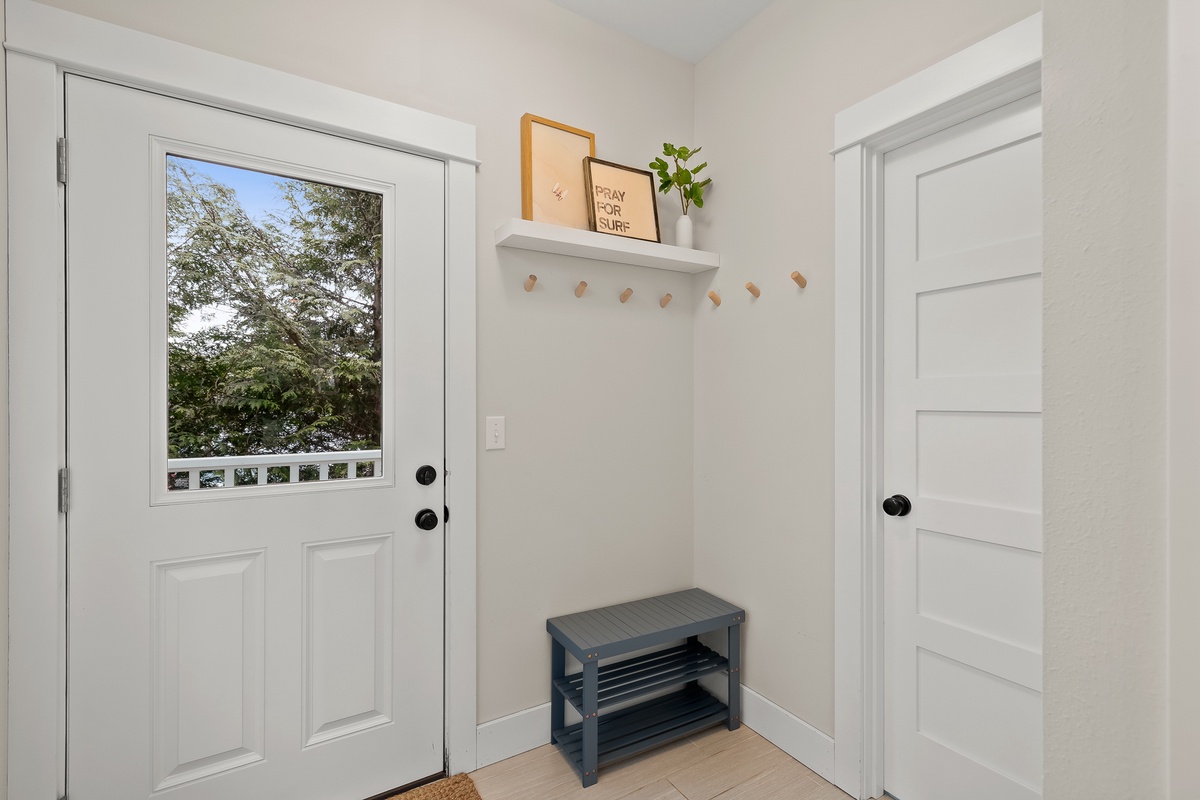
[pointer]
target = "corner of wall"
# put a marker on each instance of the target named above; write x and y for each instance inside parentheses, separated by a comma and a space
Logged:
(3, 426)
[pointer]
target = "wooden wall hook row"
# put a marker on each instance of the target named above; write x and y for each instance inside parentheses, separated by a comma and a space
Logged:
(530, 283)
(581, 288)
(666, 298)
(752, 289)
(800, 280)
(625, 295)
(716, 298)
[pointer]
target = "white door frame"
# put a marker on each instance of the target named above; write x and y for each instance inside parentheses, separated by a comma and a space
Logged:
(43, 43)
(1002, 68)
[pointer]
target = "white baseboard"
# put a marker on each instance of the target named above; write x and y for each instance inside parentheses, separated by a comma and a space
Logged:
(517, 733)
(789, 733)
(512, 735)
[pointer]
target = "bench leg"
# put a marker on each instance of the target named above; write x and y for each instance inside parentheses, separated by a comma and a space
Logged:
(735, 677)
(558, 669)
(591, 721)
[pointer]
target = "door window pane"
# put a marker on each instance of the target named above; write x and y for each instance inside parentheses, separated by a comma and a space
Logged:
(275, 329)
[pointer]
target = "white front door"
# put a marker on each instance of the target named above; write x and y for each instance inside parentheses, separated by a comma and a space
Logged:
(253, 610)
(962, 442)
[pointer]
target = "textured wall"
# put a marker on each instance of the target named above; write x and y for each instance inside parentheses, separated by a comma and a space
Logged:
(765, 102)
(1183, 168)
(1105, 398)
(592, 501)
(3, 438)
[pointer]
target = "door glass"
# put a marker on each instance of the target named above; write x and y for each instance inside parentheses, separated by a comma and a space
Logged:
(275, 329)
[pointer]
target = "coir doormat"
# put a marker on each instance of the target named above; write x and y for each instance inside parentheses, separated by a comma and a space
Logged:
(458, 787)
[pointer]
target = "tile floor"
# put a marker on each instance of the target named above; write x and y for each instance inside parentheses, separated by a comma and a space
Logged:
(716, 764)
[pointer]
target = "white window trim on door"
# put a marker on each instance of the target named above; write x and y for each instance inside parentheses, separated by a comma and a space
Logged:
(42, 43)
(1002, 68)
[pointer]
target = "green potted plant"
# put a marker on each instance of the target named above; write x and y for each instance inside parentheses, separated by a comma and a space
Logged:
(683, 180)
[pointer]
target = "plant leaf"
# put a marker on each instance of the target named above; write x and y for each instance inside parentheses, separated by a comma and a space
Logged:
(697, 169)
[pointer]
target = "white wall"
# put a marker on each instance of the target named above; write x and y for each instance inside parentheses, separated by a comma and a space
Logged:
(592, 501)
(765, 102)
(3, 435)
(1183, 254)
(1105, 112)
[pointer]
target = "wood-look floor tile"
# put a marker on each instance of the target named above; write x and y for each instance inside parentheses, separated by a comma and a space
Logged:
(539, 773)
(659, 790)
(521, 761)
(717, 739)
(726, 768)
(714, 765)
(784, 780)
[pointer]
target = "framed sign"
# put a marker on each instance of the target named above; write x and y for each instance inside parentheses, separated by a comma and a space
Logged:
(552, 155)
(621, 200)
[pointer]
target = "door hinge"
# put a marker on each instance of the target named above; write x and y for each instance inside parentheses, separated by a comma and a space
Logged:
(62, 161)
(63, 490)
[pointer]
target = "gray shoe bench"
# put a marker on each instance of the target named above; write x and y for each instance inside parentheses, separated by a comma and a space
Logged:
(605, 633)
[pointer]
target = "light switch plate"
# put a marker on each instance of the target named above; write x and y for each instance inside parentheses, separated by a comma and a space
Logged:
(493, 436)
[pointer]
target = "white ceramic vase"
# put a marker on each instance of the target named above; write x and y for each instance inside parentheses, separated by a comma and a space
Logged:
(683, 231)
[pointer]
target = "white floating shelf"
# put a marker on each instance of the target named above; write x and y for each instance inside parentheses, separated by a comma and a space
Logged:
(527, 235)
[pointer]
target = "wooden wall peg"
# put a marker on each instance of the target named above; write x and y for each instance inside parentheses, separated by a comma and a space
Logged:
(666, 298)
(529, 283)
(752, 289)
(581, 288)
(800, 280)
(625, 295)
(716, 298)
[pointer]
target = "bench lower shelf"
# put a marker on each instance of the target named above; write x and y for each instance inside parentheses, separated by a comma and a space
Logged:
(629, 731)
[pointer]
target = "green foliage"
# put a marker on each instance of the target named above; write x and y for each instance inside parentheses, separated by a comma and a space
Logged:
(292, 361)
(683, 178)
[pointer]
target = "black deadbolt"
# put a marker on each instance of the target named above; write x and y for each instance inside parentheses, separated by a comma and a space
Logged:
(427, 519)
(897, 506)
(426, 475)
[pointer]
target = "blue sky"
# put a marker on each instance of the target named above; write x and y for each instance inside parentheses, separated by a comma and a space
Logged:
(256, 191)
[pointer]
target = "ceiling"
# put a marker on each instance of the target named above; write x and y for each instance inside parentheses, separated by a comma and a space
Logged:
(687, 29)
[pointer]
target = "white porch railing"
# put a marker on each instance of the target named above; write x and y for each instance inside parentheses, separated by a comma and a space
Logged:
(226, 467)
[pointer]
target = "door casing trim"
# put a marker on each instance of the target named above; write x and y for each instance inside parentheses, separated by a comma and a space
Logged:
(996, 71)
(42, 44)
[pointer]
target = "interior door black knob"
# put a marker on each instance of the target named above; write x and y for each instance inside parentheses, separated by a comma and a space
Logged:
(897, 506)
(427, 519)
(426, 475)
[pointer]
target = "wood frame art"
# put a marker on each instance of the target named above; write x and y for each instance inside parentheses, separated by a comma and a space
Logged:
(552, 187)
(621, 200)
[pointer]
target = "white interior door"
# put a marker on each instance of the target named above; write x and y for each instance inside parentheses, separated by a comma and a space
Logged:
(962, 441)
(262, 624)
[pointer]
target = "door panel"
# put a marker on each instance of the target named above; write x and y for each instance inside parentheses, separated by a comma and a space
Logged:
(962, 440)
(347, 636)
(208, 630)
(269, 626)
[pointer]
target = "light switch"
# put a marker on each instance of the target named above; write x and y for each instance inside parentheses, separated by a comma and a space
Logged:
(493, 436)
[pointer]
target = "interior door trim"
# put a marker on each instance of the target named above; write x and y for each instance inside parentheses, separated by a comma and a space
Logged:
(44, 43)
(996, 71)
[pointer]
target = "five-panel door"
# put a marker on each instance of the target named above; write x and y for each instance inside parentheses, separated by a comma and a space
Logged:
(962, 442)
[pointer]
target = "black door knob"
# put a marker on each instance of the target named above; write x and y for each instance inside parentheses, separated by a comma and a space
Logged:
(427, 519)
(897, 506)
(426, 475)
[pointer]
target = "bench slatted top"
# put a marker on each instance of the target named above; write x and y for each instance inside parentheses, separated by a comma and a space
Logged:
(625, 627)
